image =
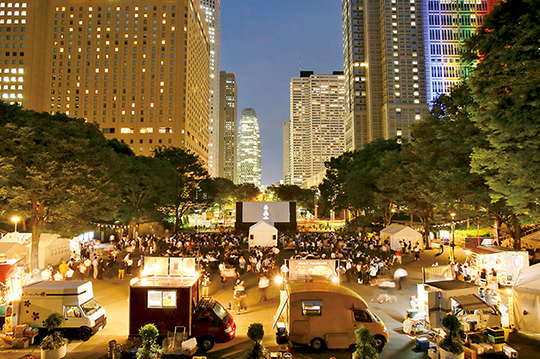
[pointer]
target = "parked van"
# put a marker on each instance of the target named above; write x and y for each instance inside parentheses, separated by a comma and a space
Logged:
(73, 299)
(325, 315)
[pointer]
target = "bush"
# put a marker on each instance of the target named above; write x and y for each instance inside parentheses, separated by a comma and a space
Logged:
(54, 339)
(149, 349)
(258, 351)
(364, 345)
(452, 341)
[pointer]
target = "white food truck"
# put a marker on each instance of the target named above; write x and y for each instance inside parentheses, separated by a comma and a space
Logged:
(73, 299)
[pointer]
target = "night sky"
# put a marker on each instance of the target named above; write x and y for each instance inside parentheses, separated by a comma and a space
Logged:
(265, 43)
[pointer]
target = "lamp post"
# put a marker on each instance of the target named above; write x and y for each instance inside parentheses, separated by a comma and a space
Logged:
(452, 240)
(15, 220)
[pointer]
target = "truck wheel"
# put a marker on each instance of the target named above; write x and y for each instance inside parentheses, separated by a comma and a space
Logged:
(205, 343)
(379, 342)
(317, 344)
(85, 333)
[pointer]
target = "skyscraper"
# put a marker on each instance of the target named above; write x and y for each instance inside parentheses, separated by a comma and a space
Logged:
(248, 149)
(227, 125)
(447, 24)
(287, 152)
(138, 68)
(383, 54)
(316, 124)
(211, 13)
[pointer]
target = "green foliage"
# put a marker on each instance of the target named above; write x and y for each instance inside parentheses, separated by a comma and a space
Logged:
(54, 339)
(255, 332)
(258, 351)
(286, 192)
(506, 86)
(452, 341)
(149, 349)
(247, 192)
(183, 193)
(365, 348)
(59, 179)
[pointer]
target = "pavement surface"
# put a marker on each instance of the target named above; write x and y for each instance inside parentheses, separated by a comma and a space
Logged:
(113, 296)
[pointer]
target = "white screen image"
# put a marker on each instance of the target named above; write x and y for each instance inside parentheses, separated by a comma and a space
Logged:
(253, 212)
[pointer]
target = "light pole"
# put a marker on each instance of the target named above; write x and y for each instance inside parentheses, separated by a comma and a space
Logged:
(15, 220)
(452, 241)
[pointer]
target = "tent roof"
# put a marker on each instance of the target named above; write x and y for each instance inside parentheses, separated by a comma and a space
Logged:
(491, 249)
(396, 228)
(471, 302)
(18, 237)
(262, 224)
(528, 280)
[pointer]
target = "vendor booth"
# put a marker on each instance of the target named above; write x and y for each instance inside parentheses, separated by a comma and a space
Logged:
(52, 248)
(396, 233)
(525, 300)
(262, 234)
(507, 262)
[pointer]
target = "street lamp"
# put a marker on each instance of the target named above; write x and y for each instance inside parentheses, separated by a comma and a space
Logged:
(15, 220)
(452, 242)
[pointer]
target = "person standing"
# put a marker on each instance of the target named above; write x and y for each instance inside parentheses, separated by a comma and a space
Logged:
(122, 269)
(264, 283)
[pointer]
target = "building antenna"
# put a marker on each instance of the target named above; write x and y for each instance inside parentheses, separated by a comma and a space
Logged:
(299, 63)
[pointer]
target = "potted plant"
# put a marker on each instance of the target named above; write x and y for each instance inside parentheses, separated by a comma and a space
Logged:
(54, 345)
(451, 347)
(365, 348)
(258, 351)
(149, 349)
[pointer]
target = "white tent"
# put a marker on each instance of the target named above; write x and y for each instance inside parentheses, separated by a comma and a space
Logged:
(396, 232)
(525, 300)
(262, 234)
(52, 248)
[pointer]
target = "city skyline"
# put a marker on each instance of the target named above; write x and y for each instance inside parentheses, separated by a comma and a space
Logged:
(265, 44)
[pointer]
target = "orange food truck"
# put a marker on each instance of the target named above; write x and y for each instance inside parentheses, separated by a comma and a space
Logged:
(167, 295)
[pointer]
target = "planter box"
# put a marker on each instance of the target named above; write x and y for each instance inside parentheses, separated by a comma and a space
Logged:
(443, 354)
(57, 353)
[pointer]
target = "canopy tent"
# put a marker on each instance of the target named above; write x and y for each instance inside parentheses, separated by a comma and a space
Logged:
(52, 248)
(396, 233)
(525, 300)
(262, 234)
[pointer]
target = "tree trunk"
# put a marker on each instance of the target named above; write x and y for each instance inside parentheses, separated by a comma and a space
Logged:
(36, 221)
(175, 227)
(516, 234)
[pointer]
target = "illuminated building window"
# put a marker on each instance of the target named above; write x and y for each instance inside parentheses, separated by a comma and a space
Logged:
(127, 130)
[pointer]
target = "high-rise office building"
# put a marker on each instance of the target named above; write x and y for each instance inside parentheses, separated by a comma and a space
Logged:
(447, 24)
(211, 13)
(227, 125)
(383, 54)
(287, 152)
(138, 68)
(316, 124)
(248, 149)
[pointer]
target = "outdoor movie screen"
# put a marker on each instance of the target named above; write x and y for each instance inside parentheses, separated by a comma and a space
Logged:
(253, 212)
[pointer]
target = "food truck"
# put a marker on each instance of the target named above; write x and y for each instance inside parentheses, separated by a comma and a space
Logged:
(74, 299)
(324, 315)
(167, 294)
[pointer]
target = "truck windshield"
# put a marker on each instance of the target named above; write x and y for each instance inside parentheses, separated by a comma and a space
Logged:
(220, 311)
(90, 307)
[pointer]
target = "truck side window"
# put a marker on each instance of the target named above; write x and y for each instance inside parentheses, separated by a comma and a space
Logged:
(72, 311)
(362, 316)
(312, 307)
(161, 298)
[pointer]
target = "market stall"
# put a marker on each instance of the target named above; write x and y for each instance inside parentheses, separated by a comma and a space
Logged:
(506, 262)
(52, 247)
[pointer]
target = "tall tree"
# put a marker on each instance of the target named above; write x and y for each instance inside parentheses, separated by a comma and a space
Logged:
(288, 192)
(247, 192)
(184, 193)
(506, 85)
(60, 179)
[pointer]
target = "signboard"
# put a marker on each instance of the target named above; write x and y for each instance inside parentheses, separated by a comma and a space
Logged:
(170, 266)
(312, 269)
